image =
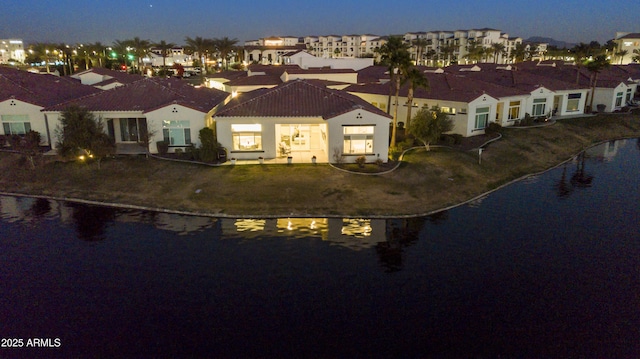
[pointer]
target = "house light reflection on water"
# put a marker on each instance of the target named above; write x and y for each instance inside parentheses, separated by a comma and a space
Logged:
(355, 233)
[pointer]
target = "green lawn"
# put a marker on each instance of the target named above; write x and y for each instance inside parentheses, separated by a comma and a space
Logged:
(424, 182)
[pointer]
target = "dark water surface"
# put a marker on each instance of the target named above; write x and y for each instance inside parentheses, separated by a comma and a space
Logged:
(548, 267)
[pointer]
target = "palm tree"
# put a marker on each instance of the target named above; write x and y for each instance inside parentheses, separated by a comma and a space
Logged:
(580, 53)
(225, 46)
(598, 64)
(636, 55)
(97, 51)
(140, 50)
(475, 51)
(520, 52)
(497, 49)
(448, 50)
(621, 54)
(122, 49)
(395, 55)
(420, 44)
(202, 47)
(416, 79)
(164, 48)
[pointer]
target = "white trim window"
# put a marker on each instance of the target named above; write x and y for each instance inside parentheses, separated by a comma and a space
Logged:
(573, 102)
(619, 99)
(176, 133)
(482, 118)
(539, 107)
(358, 139)
(16, 124)
(514, 110)
(247, 137)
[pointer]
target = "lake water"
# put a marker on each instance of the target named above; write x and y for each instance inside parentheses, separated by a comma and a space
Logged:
(547, 267)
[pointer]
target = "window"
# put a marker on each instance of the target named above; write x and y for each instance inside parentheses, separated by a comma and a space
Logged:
(358, 139)
(247, 137)
(16, 124)
(514, 110)
(539, 106)
(619, 99)
(628, 98)
(132, 129)
(482, 116)
(449, 110)
(573, 102)
(176, 133)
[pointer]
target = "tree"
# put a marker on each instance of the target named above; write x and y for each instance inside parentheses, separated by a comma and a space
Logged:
(225, 46)
(420, 44)
(621, 54)
(416, 79)
(581, 53)
(208, 145)
(81, 134)
(164, 48)
(595, 66)
(520, 53)
(202, 47)
(497, 49)
(447, 51)
(395, 55)
(28, 145)
(636, 55)
(428, 125)
(140, 50)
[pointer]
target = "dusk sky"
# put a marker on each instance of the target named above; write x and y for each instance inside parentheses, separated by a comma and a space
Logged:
(172, 20)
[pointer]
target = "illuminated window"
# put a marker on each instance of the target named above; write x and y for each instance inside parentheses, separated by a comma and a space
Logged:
(16, 124)
(176, 133)
(573, 102)
(247, 137)
(539, 106)
(449, 110)
(358, 139)
(514, 110)
(482, 117)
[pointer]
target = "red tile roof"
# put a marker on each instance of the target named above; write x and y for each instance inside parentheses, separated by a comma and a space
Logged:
(149, 94)
(298, 98)
(40, 90)
(444, 87)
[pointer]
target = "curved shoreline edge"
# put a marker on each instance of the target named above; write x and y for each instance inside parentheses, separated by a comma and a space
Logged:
(300, 215)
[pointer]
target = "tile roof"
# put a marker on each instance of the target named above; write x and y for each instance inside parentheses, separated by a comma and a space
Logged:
(147, 95)
(444, 87)
(298, 98)
(40, 90)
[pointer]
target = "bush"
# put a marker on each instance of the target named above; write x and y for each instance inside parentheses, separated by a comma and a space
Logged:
(361, 160)
(493, 128)
(457, 138)
(163, 147)
(448, 140)
(395, 153)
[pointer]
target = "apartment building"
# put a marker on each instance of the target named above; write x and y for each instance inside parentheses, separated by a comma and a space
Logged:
(11, 49)
(433, 48)
(628, 46)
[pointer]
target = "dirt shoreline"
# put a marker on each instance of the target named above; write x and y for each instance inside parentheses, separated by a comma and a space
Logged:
(425, 182)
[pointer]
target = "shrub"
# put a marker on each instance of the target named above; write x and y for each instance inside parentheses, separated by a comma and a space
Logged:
(493, 128)
(337, 155)
(448, 140)
(163, 147)
(457, 138)
(395, 153)
(361, 160)
(379, 162)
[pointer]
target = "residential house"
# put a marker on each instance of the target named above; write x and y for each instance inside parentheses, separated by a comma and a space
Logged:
(270, 51)
(470, 104)
(302, 119)
(23, 96)
(104, 79)
(159, 109)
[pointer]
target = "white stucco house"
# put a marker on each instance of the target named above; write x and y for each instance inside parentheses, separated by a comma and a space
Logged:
(104, 79)
(169, 110)
(23, 95)
(301, 119)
